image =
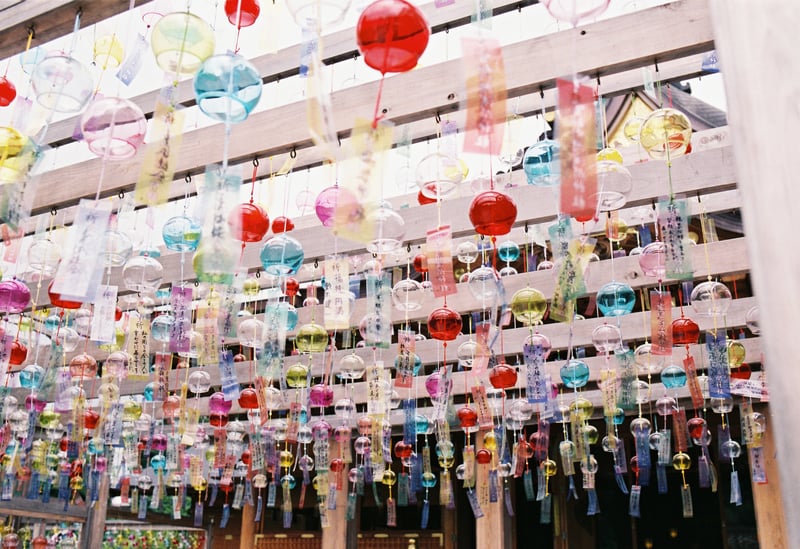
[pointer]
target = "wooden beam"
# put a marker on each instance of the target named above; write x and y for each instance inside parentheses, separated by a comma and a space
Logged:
(51, 19)
(338, 46)
(335, 535)
(527, 105)
(96, 524)
(754, 42)
(666, 32)
(247, 534)
(491, 531)
(770, 515)
(33, 508)
(701, 172)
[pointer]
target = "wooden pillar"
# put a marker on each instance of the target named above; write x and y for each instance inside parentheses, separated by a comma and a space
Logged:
(767, 497)
(756, 45)
(96, 523)
(335, 535)
(491, 530)
(248, 530)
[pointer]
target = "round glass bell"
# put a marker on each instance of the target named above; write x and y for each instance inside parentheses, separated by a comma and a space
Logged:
(652, 260)
(388, 228)
(408, 295)
(8, 91)
(616, 299)
(181, 234)
(113, 128)
(351, 367)
(181, 41)
(117, 248)
(14, 296)
(492, 213)
(575, 373)
(575, 11)
(711, 299)
(142, 273)
(392, 35)
(251, 333)
(43, 257)
(444, 324)
(227, 87)
(508, 251)
(242, 13)
(62, 84)
(282, 255)
(30, 58)
(325, 205)
(614, 182)
(248, 222)
(542, 163)
(19, 153)
(467, 252)
(528, 306)
(665, 134)
(673, 377)
(483, 284)
(438, 175)
(607, 338)
(310, 14)
(108, 51)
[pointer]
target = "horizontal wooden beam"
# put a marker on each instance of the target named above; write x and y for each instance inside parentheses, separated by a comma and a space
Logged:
(700, 172)
(634, 327)
(427, 128)
(34, 508)
(51, 19)
(272, 67)
(666, 32)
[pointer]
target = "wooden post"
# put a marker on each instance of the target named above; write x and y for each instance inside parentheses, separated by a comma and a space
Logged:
(756, 46)
(248, 530)
(96, 523)
(491, 530)
(767, 497)
(335, 535)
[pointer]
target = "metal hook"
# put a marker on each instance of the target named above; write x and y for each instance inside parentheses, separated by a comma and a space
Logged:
(121, 194)
(255, 162)
(316, 263)
(655, 62)
(526, 227)
(258, 274)
(541, 92)
(31, 32)
(188, 178)
(293, 153)
(408, 247)
(53, 211)
(438, 118)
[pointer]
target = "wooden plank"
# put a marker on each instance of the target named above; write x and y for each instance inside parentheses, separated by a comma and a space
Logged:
(770, 517)
(51, 19)
(96, 525)
(700, 172)
(527, 105)
(335, 535)
(53, 510)
(338, 46)
(491, 530)
(759, 95)
(730, 257)
(247, 535)
(666, 32)
(631, 326)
